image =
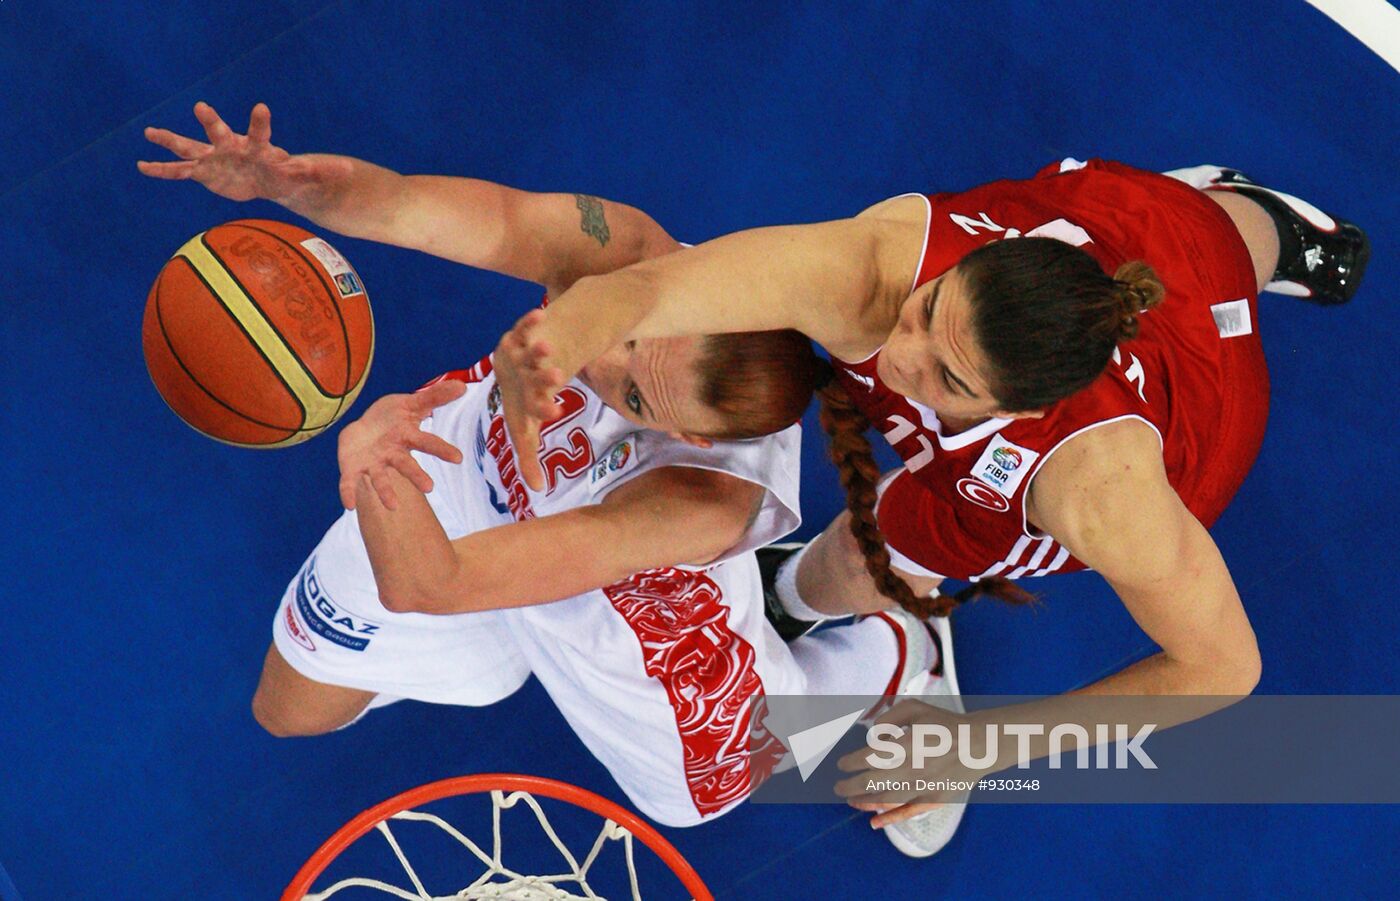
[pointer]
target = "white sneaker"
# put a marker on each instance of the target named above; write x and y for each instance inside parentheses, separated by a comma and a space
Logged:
(927, 833)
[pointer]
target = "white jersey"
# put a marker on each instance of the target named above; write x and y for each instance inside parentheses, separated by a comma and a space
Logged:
(590, 449)
(657, 674)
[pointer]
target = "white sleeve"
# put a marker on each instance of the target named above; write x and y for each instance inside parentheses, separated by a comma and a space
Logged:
(772, 462)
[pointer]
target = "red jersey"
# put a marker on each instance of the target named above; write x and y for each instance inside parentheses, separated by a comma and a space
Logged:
(1195, 373)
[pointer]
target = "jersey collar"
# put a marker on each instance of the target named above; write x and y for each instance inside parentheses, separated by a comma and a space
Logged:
(962, 439)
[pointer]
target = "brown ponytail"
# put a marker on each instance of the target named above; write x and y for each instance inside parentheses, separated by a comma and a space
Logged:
(850, 451)
(1048, 318)
(1137, 290)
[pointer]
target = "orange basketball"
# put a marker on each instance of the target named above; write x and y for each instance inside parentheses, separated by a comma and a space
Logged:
(258, 333)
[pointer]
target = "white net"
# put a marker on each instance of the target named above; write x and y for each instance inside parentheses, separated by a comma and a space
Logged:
(498, 880)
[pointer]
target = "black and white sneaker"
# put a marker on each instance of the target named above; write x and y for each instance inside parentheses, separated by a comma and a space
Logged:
(1321, 258)
(788, 627)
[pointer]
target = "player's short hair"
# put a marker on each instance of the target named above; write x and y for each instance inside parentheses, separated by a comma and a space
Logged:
(758, 382)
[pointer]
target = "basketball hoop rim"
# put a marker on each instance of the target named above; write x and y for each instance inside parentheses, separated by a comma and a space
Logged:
(480, 783)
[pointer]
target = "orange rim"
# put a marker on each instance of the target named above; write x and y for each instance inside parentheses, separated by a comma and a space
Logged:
(485, 782)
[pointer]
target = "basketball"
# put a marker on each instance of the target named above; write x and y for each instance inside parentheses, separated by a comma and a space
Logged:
(258, 333)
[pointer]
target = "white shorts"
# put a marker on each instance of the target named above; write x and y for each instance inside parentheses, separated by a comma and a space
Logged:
(655, 675)
(332, 628)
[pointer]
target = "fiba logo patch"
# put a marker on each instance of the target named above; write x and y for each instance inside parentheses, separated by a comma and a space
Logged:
(1007, 458)
(982, 495)
(621, 458)
(619, 455)
(1003, 466)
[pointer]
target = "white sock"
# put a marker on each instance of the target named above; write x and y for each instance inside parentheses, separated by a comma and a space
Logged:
(857, 659)
(786, 587)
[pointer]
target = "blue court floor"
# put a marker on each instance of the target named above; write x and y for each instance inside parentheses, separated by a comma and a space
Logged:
(142, 562)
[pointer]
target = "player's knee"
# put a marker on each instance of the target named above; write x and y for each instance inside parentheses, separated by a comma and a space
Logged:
(281, 720)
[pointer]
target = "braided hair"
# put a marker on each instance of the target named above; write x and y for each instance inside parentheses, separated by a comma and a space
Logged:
(850, 450)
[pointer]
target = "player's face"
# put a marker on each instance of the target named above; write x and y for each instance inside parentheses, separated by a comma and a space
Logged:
(932, 356)
(654, 384)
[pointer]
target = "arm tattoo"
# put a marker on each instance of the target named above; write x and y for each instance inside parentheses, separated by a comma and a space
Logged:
(592, 222)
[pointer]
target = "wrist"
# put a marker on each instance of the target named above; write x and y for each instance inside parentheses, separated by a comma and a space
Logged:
(601, 312)
(304, 194)
(316, 185)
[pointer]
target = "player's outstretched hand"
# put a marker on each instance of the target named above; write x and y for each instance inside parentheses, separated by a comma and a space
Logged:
(899, 793)
(381, 440)
(239, 167)
(528, 384)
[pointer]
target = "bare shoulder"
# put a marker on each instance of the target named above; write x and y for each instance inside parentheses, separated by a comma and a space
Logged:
(692, 515)
(907, 208)
(897, 229)
(1105, 479)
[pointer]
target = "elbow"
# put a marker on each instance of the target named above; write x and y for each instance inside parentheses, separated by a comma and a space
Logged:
(438, 596)
(1236, 675)
(399, 597)
(423, 584)
(397, 601)
(1248, 667)
(721, 535)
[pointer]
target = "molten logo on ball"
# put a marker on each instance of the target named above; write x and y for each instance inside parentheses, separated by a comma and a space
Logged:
(285, 276)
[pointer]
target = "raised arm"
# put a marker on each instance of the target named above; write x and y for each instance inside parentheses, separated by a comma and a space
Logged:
(551, 239)
(674, 515)
(818, 279)
(840, 283)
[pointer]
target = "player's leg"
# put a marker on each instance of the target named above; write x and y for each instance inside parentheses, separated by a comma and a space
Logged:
(289, 704)
(891, 653)
(1256, 228)
(885, 653)
(828, 577)
(337, 651)
(831, 577)
(1317, 256)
